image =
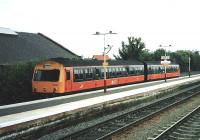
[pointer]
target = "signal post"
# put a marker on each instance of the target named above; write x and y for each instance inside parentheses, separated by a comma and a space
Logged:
(165, 62)
(105, 64)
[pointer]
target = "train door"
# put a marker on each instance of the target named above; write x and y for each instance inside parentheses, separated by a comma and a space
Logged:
(68, 84)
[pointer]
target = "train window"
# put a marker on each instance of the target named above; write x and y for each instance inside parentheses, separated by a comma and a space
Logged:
(37, 75)
(156, 69)
(112, 72)
(178, 68)
(97, 74)
(167, 69)
(137, 71)
(102, 73)
(88, 74)
(149, 70)
(115, 72)
(161, 69)
(175, 68)
(118, 72)
(152, 69)
(127, 71)
(140, 71)
(78, 75)
(47, 75)
(68, 75)
(131, 71)
(123, 71)
(170, 69)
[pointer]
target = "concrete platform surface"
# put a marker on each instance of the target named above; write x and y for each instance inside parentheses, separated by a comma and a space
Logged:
(29, 115)
(43, 103)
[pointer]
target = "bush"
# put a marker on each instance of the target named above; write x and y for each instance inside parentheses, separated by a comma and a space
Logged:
(15, 83)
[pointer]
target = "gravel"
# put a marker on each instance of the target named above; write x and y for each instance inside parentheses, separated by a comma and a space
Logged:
(151, 128)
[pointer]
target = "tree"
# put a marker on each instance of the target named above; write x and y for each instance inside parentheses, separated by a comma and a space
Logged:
(181, 57)
(132, 50)
(158, 53)
(146, 55)
(195, 60)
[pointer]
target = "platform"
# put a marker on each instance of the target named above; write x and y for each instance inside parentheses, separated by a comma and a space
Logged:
(15, 114)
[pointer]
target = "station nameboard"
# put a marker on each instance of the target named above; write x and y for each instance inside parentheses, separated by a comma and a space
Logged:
(165, 62)
(165, 57)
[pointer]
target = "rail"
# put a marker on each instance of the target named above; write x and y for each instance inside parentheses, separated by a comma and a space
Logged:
(185, 128)
(106, 129)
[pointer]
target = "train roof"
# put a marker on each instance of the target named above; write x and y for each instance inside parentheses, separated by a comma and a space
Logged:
(91, 62)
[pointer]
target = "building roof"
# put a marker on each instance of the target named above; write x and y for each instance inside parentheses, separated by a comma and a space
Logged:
(100, 57)
(22, 47)
(68, 63)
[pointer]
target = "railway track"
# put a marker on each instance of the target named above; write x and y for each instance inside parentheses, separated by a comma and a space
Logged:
(106, 129)
(187, 128)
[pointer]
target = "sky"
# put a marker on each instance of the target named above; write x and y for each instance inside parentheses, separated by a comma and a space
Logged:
(72, 23)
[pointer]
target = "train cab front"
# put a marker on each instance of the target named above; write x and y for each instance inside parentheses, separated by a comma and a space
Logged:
(47, 79)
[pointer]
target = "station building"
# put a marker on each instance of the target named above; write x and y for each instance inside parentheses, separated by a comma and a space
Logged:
(20, 47)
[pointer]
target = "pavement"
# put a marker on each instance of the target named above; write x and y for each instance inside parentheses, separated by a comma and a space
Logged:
(50, 102)
(14, 114)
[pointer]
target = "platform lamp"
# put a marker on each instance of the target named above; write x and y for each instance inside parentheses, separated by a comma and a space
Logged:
(105, 64)
(189, 67)
(165, 61)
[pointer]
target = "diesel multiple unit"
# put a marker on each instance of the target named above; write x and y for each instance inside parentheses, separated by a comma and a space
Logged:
(61, 75)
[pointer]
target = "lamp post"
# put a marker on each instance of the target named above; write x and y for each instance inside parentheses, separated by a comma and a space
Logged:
(104, 54)
(165, 62)
(189, 69)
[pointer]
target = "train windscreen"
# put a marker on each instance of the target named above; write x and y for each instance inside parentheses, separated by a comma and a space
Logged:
(46, 75)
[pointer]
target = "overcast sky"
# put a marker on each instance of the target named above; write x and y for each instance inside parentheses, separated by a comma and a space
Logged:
(72, 22)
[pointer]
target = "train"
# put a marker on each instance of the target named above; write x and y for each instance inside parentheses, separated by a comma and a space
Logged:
(60, 75)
